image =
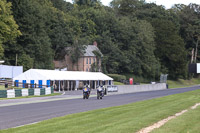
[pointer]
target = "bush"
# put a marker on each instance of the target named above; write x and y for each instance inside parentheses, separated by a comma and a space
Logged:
(117, 77)
(139, 79)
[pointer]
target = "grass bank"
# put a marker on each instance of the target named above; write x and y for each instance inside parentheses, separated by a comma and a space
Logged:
(127, 118)
(183, 83)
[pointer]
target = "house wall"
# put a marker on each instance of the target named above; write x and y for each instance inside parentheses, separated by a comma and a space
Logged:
(59, 64)
(84, 63)
(88, 61)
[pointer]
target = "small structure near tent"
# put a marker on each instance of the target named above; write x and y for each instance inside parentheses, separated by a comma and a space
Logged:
(61, 80)
(10, 71)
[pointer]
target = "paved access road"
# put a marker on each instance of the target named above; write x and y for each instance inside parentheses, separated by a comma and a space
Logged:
(18, 115)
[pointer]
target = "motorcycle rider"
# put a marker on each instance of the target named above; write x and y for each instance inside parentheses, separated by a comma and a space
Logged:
(100, 91)
(86, 92)
(88, 89)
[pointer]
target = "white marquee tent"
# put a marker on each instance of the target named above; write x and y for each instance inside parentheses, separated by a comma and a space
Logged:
(53, 75)
(40, 74)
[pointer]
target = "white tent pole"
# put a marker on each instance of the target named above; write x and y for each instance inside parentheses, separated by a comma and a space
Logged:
(67, 85)
(63, 85)
(71, 86)
(74, 85)
(59, 85)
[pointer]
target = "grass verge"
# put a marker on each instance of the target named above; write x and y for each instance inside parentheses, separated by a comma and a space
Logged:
(183, 83)
(2, 87)
(54, 94)
(118, 83)
(127, 118)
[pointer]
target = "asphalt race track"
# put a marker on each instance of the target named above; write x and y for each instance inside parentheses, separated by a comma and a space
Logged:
(18, 115)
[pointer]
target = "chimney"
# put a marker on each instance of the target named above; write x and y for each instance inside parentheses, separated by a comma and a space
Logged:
(95, 43)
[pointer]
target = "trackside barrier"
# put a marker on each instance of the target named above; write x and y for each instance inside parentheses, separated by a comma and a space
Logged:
(3, 94)
(18, 93)
(37, 92)
(42, 91)
(30, 92)
(121, 89)
(25, 92)
(10, 93)
(48, 91)
(52, 89)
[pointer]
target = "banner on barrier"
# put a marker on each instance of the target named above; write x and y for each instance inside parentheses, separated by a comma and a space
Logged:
(112, 88)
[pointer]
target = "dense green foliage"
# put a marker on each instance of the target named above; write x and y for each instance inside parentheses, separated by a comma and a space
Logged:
(117, 77)
(135, 37)
(8, 27)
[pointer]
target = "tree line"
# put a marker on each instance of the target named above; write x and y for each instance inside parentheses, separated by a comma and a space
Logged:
(134, 36)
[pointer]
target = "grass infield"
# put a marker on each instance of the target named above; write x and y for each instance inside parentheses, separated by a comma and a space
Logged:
(53, 94)
(120, 119)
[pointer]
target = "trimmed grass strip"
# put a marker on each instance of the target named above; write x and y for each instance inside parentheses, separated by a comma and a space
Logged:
(187, 123)
(54, 94)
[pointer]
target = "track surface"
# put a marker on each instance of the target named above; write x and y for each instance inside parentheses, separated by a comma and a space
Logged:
(18, 115)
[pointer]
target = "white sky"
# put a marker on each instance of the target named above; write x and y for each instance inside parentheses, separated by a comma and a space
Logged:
(166, 3)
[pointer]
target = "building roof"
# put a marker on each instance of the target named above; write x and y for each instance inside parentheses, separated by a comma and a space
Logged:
(89, 50)
(42, 74)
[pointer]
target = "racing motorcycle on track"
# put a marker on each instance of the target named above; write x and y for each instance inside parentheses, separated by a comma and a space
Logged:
(100, 92)
(86, 92)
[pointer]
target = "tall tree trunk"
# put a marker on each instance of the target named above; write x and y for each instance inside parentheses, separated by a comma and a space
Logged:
(196, 51)
(192, 55)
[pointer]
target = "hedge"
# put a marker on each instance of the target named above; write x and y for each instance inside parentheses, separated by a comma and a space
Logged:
(117, 77)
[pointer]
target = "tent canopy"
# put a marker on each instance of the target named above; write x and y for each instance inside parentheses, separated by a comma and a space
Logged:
(41, 74)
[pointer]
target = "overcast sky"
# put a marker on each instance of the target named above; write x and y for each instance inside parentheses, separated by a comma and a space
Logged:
(166, 3)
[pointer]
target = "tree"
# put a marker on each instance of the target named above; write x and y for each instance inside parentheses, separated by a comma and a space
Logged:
(190, 27)
(62, 5)
(144, 59)
(45, 30)
(8, 27)
(77, 50)
(170, 49)
(87, 2)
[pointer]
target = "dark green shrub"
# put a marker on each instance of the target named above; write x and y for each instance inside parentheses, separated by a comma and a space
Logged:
(117, 77)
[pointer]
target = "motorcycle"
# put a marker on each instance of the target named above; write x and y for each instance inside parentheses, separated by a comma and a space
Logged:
(100, 92)
(86, 93)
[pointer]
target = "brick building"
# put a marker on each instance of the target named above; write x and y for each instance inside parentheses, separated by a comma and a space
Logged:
(89, 61)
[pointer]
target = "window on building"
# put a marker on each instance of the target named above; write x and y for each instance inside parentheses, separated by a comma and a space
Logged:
(86, 60)
(93, 60)
(87, 69)
(90, 60)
